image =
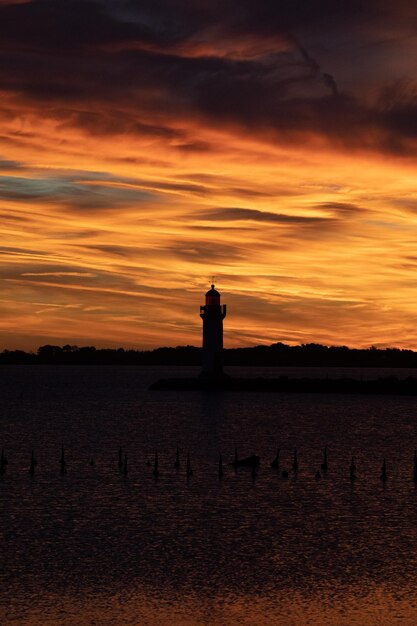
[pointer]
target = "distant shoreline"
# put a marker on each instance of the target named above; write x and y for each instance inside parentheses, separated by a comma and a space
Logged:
(275, 355)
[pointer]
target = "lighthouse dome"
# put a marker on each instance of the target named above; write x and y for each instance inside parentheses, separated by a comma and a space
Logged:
(212, 297)
(213, 292)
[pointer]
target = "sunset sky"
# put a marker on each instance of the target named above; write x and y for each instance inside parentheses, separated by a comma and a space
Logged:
(146, 145)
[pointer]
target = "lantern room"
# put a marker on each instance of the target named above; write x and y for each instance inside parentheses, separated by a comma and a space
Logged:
(212, 297)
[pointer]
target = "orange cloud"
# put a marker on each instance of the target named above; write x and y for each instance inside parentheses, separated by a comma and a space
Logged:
(136, 164)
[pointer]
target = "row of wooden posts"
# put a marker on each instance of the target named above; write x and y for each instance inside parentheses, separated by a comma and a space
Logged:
(251, 462)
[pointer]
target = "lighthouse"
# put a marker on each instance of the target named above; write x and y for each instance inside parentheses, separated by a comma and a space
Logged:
(212, 314)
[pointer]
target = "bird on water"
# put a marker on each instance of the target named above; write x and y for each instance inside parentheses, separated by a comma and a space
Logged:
(384, 476)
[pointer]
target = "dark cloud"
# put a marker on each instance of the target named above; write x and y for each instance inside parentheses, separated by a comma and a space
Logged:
(67, 24)
(180, 186)
(13, 218)
(228, 185)
(6, 164)
(195, 146)
(222, 228)
(8, 250)
(341, 208)
(72, 193)
(406, 204)
(49, 273)
(256, 193)
(402, 119)
(77, 234)
(109, 66)
(237, 213)
(134, 184)
(114, 250)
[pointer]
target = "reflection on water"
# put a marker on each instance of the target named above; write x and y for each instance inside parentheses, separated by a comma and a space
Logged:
(95, 547)
(380, 605)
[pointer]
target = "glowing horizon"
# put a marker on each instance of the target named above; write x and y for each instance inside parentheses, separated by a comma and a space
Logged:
(146, 147)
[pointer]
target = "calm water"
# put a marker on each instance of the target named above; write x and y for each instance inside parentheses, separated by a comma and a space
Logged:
(95, 547)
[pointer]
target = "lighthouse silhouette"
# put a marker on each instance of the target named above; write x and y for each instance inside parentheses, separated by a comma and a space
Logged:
(212, 314)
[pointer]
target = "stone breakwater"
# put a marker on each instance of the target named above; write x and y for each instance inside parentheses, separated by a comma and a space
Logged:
(381, 386)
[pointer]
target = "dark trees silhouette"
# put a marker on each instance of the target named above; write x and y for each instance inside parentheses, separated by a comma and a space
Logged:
(277, 354)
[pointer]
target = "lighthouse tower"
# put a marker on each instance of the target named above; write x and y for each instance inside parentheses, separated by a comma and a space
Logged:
(212, 315)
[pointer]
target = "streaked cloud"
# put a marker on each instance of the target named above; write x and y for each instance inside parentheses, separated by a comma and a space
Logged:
(236, 213)
(145, 146)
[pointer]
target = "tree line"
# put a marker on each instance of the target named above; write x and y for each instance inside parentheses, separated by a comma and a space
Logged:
(277, 354)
